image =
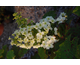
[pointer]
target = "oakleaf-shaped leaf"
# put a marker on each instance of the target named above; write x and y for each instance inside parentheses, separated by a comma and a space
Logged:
(64, 51)
(42, 53)
(10, 54)
(67, 49)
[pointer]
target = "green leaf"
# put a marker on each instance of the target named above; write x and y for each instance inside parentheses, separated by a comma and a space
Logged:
(51, 53)
(74, 45)
(22, 52)
(42, 53)
(36, 56)
(1, 53)
(74, 32)
(56, 45)
(10, 54)
(61, 29)
(16, 50)
(19, 52)
(67, 49)
(64, 50)
(4, 47)
(78, 52)
(5, 50)
(77, 10)
(34, 32)
(50, 13)
(69, 18)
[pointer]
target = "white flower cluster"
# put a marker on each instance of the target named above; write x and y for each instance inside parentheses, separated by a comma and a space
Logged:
(61, 18)
(36, 35)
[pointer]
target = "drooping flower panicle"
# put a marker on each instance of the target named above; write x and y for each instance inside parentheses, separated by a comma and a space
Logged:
(36, 35)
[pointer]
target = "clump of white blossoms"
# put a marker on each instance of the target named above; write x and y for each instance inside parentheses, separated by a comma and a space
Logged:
(36, 35)
(61, 18)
